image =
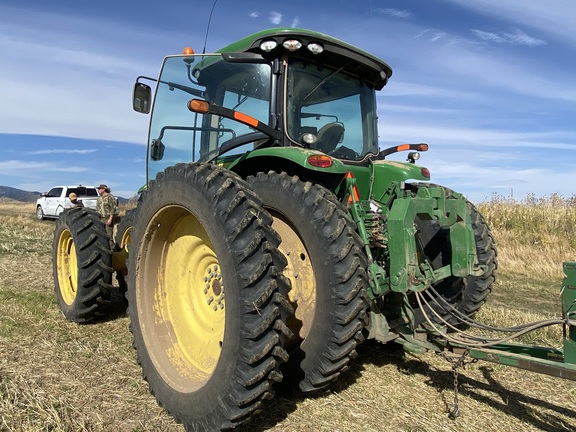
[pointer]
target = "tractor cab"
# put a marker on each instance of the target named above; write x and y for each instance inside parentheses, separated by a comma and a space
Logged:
(276, 88)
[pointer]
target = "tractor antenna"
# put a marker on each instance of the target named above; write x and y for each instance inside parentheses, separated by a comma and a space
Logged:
(208, 26)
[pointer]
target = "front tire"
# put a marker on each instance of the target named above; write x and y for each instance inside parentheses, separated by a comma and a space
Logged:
(326, 267)
(81, 265)
(207, 298)
(40, 213)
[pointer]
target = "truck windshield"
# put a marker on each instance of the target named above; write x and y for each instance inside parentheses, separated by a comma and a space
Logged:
(335, 107)
(179, 135)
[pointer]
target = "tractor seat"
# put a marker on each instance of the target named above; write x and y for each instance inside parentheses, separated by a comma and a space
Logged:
(329, 136)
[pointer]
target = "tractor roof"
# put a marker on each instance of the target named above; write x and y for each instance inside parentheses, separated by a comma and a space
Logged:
(335, 51)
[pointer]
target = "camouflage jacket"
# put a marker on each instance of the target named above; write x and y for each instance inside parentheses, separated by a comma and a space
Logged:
(106, 205)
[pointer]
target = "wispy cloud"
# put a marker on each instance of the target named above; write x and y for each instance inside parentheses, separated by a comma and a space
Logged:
(396, 13)
(554, 18)
(276, 17)
(295, 22)
(254, 14)
(15, 167)
(515, 37)
(439, 36)
(62, 151)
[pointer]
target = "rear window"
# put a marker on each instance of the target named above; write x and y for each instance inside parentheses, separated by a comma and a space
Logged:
(83, 191)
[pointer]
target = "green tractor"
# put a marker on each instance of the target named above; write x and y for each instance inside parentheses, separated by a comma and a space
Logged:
(274, 235)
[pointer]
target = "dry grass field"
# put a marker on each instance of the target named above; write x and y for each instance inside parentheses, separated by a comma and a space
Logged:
(59, 376)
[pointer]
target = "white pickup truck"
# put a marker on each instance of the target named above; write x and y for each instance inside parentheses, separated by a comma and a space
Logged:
(52, 203)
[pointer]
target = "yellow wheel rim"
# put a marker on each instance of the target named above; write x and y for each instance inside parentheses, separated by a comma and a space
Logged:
(125, 240)
(67, 267)
(180, 299)
(301, 274)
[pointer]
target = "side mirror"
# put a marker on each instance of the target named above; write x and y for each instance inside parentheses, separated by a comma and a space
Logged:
(141, 98)
(157, 150)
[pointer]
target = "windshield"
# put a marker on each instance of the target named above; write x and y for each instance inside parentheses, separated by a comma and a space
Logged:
(335, 107)
(179, 135)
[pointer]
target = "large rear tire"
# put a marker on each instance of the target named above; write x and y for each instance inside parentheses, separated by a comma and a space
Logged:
(326, 267)
(467, 294)
(82, 265)
(207, 297)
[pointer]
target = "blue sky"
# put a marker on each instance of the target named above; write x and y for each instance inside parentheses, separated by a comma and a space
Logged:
(489, 84)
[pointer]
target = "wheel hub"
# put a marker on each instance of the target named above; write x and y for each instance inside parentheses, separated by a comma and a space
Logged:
(214, 288)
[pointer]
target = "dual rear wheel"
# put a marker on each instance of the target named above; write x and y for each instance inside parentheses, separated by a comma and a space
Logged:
(211, 262)
(212, 258)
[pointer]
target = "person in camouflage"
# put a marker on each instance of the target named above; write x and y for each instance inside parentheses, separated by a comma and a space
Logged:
(106, 205)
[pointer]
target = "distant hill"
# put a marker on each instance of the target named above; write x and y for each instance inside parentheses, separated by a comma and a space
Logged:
(18, 194)
(8, 193)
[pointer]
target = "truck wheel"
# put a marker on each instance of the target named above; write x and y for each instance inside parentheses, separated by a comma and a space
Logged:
(81, 265)
(466, 294)
(207, 297)
(326, 267)
(40, 213)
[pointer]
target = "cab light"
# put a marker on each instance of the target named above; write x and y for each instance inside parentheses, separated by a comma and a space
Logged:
(413, 157)
(320, 161)
(268, 46)
(309, 138)
(403, 147)
(188, 51)
(425, 172)
(423, 147)
(199, 106)
(315, 48)
(246, 119)
(292, 44)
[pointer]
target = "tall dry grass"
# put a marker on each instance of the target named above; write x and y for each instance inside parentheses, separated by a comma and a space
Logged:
(534, 235)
